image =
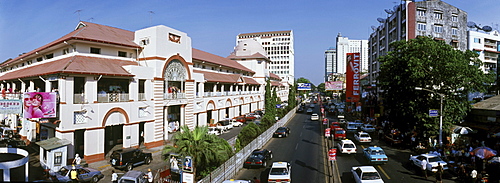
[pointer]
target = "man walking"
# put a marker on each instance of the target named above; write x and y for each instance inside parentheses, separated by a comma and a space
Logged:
(424, 168)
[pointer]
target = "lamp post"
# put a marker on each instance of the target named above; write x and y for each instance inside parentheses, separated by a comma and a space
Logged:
(440, 113)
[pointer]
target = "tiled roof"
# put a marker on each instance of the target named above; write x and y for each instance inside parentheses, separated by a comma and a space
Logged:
(276, 83)
(73, 65)
(254, 56)
(274, 76)
(492, 103)
(218, 60)
(225, 77)
(88, 32)
(250, 81)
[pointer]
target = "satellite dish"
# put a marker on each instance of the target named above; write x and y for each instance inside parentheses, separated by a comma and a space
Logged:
(395, 8)
(487, 28)
(389, 11)
(381, 20)
(471, 25)
(374, 28)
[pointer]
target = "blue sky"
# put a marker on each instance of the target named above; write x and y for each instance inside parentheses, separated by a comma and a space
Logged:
(214, 24)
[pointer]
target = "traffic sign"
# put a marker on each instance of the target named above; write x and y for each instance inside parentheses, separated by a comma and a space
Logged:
(433, 113)
(332, 154)
(327, 132)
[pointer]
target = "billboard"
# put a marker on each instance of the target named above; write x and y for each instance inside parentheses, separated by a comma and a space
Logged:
(353, 74)
(334, 85)
(304, 86)
(39, 104)
(11, 106)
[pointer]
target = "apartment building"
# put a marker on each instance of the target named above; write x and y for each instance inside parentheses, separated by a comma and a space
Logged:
(487, 45)
(129, 88)
(346, 45)
(330, 63)
(279, 46)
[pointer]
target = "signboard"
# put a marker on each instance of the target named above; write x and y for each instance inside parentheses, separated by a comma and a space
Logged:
(353, 75)
(11, 106)
(304, 86)
(334, 85)
(332, 154)
(40, 104)
(327, 132)
(187, 166)
(433, 113)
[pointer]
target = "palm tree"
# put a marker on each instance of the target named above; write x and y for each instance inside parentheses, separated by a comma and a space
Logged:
(207, 151)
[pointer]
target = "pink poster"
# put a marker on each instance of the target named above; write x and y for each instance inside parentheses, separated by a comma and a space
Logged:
(39, 105)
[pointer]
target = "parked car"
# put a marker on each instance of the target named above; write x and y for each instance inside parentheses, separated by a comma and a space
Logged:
(282, 132)
(363, 137)
(213, 130)
(393, 139)
(346, 147)
(362, 174)
(339, 134)
(314, 117)
(375, 155)
(128, 158)
(84, 174)
(134, 176)
(368, 128)
(432, 161)
(225, 124)
(280, 172)
(236, 123)
(241, 119)
(259, 157)
(250, 117)
(6, 133)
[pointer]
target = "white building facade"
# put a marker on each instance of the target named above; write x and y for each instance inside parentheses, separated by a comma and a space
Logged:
(118, 88)
(330, 63)
(487, 45)
(346, 45)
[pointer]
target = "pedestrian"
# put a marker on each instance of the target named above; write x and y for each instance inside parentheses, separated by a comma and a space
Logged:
(255, 180)
(473, 176)
(150, 175)
(439, 173)
(114, 176)
(77, 159)
(423, 165)
(74, 174)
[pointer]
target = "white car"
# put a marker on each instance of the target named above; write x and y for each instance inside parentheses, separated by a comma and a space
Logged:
(363, 137)
(314, 117)
(237, 123)
(346, 147)
(432, 161)
(362, 174)
(368, 128)
(280, 172)
(213, 130)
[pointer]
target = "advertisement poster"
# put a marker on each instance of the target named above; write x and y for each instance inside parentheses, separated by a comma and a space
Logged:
(10, 106)
(39, 104)
(353, 74)
(334, 85)
(303, 86)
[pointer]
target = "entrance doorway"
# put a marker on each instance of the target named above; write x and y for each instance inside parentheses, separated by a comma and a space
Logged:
(113, 136)
(79, 142)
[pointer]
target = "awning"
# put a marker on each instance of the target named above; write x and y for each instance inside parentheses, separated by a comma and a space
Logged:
(53, 143)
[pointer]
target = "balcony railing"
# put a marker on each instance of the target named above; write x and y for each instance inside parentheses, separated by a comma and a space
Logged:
(142, 97)
(113, 97)
(79, 98)
(174, 95)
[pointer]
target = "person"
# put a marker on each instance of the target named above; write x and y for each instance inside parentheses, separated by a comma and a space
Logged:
(173, 163)
(36, 106)
(150, 175)
(255, 180)
(77, 159)
(74, 174)
(114, 176)
(424, 168)
(439, 173)
(473, 176)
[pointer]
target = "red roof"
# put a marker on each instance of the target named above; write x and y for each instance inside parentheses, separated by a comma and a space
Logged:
(250, 81)
(225, 77)
(88, 32)
(274, 76)
(73, 65)
(218, 60)
(254, 56)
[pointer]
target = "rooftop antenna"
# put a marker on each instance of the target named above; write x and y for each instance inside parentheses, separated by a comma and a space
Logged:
(389, 11)
(90, 19)
(381, 20)
(374, 28)
(150, 15)
(78, 11)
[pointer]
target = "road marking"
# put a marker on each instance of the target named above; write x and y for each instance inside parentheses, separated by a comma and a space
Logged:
(301, 134)
(382, 170)
(296, 146)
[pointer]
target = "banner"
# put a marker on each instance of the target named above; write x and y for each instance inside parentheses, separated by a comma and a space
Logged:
(303, 86)
(353, 74)
(40, 104)
(334, 85)
(10, 106)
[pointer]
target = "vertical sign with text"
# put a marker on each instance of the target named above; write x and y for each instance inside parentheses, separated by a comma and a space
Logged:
(353, 75)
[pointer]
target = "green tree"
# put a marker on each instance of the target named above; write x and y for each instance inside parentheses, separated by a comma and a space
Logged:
(248, 134)
(207, 151)
(292, 97)
(434, 65)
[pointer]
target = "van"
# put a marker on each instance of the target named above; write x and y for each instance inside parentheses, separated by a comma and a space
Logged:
(134, 176)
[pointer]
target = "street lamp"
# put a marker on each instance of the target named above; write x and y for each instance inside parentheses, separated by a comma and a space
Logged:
(440, 113)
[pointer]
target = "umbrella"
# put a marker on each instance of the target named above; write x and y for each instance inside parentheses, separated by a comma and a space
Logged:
(484, 152)
(463, 130)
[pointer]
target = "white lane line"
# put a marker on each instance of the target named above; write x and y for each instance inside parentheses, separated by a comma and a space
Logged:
(297, 146)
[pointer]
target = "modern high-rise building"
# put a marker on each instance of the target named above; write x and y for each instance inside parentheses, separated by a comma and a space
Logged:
(410, 19)
(280, 50)
(330, 62)
(344, 46)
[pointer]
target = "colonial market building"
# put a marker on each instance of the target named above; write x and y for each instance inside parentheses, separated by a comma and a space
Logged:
(130, 88)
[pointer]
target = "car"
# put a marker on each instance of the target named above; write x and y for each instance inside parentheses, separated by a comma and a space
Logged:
(6, 133)
(367, 128)
(346, 147)
(299, 110)
(213, 130)
(259, 112)
(250, 116)
(280, 172)
(84, 174)
(282, 132)
(432, 161)
(309, 111)
(339, 134)
(363, 137)
(241, 119)
(393, 139)
(259, 157)
(226, 124)
(334, 125)
(134, 176)
(237, 181)
(375, 155)
(362, 174)
(311, 106)
(352, 126)
(129, 157)
(236, 123)
(314, 117)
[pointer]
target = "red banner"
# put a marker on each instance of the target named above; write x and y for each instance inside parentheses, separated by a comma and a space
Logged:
(353, 74)
(332, 154)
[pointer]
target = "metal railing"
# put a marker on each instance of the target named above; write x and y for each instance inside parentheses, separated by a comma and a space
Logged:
(177, 95)
(112, 97)
(229, 169)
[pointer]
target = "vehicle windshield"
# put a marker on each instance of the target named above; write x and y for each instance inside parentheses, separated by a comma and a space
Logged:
(63, 171)
(278, 171)
(370, 176)
(435, 159)
(348, 145)
(340, 132)
(126, 181)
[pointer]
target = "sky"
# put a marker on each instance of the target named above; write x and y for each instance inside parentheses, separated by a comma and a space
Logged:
(214, 24)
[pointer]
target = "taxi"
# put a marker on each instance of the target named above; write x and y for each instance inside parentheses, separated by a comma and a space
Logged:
(363, 137)
(375, 155)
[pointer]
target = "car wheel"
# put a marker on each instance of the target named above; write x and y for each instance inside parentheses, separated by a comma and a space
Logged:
(129, 167)
(147, 161)
(95, 179)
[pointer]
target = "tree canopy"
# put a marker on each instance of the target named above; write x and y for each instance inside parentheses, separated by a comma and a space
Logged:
(433, 65)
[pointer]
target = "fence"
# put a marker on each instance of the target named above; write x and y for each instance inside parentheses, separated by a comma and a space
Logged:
(229, 169)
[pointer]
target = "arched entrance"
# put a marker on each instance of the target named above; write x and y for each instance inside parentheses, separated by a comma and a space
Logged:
(113, 132)
(175, 76)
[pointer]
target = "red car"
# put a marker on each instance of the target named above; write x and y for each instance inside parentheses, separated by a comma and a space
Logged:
(250, 117)
(335, 125)
(241, 119)
(339, 134)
